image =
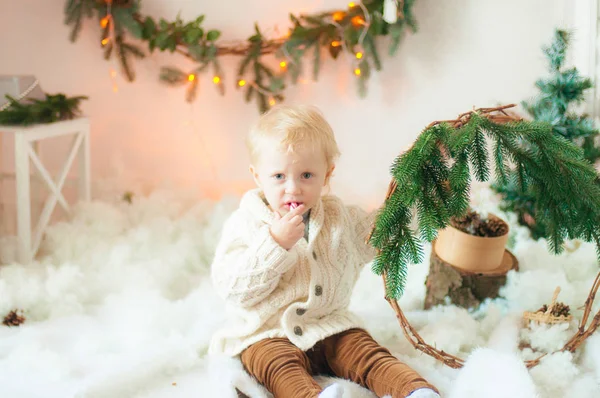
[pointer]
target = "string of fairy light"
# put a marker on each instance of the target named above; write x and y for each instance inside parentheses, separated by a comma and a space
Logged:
(356, 53)
(357, 21)
(107, 22)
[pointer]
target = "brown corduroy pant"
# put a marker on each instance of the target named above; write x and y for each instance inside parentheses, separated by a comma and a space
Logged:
(286, 371)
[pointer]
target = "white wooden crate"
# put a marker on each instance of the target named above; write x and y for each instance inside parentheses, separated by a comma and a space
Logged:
(26, 139)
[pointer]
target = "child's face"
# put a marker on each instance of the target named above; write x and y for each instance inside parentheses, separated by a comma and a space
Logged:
(291, 178)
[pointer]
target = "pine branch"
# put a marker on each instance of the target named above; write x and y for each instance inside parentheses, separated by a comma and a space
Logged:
(316, 62)
(397, 34)
(363, 77)
(557, 51)
(52, 109)
(559, 94)
(546, 164)
(371, 49)
(124, 58)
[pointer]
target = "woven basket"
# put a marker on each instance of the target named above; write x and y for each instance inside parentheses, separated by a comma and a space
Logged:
(547, 317)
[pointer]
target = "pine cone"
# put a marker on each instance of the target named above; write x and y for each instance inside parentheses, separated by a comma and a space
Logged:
(496, 227)
(560, 309)
(465, 222)
(13, 319)
(471, 223)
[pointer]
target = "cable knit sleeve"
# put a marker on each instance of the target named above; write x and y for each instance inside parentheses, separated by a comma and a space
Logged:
(363, 222)
(248, 263)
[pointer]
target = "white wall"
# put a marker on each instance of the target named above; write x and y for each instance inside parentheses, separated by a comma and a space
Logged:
(467, 53)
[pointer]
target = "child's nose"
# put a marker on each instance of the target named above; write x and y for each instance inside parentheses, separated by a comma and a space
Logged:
(292, 187)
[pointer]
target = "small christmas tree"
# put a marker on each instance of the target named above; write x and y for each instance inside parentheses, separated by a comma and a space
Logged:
(563, 90)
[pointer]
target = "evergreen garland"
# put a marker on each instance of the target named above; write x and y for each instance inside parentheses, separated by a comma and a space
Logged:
(433, 179)
(354, 30)
(54, 108)
(559, 94)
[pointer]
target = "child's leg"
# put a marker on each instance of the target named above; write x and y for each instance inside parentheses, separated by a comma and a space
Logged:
(281, 367)
(354, 355)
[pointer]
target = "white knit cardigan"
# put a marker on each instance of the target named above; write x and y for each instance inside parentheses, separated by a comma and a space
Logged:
(302, 294)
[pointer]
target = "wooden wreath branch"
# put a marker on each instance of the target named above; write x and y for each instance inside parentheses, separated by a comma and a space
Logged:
(496, 115)
(490, 113)
(455, 362)
(243, 47)
(417, 341)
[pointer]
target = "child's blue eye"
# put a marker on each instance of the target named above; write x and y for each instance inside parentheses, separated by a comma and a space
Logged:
(278, 176)
(306, 175)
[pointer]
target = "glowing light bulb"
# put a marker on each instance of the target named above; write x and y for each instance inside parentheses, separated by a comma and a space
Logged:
(272, 101)
(335, 43)
(241, 82)
(338, 16)
(359, 55)
(283, 64)
(357, 21)
(104, 22)
(357, 71)
(104, 41)
(191, 77)
(216, 80)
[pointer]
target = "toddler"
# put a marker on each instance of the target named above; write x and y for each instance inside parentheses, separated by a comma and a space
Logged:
(287, 263)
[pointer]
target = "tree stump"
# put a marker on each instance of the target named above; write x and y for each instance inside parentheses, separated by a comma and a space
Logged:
(464, 288)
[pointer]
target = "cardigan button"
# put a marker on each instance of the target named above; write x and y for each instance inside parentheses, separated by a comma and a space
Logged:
(318, 290)
(298, 331)
(314, 255)
(300, 311)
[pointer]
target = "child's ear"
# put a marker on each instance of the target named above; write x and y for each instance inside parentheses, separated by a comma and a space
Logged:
(255, 176)
(328, 175)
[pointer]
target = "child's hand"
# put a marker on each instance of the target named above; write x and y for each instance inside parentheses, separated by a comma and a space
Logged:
(288, 230)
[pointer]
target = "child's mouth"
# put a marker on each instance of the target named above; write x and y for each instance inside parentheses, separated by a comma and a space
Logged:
(292, 205)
